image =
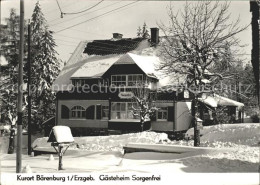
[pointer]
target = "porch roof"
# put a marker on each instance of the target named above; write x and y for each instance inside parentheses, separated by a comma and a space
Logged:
(216, 100)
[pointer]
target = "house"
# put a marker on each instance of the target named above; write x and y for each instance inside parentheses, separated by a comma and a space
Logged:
(89, 93)
(209, 104)
(95, 89)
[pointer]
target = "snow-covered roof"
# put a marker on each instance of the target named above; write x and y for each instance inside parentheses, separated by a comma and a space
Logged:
(75, 61)
(77, 64)
(216, 100)
(95, 68)
(209, 100)
(223, 101)
(172, 81)
(80, 66)
(146, 63)
(63, 134)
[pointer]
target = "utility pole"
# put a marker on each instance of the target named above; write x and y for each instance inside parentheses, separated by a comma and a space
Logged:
(20, 92)
(238, 97)
(29, 91)
(0, 13)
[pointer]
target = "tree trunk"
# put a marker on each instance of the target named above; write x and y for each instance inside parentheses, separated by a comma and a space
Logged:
(194, 120)
(11, 140)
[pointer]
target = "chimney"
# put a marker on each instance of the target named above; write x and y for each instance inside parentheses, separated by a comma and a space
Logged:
(154, 36)
(117, 36)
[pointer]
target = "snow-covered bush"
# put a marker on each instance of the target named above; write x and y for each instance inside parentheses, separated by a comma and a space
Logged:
(228, 135)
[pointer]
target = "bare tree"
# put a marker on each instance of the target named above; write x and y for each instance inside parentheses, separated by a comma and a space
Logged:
(195, 41)
(145, 100)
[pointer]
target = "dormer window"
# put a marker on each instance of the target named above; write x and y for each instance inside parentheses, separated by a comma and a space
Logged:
(127, 80)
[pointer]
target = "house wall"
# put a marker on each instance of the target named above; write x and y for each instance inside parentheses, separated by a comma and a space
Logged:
(81, 122)
(95, 123)
(182, 116)
(162, 126)
(86, 99)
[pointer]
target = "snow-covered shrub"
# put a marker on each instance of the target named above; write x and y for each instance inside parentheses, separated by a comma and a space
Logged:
(221, 116)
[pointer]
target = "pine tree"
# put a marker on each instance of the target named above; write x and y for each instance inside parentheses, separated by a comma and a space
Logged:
(145, 32)
(139, 32)
(45, 67)
(8, 86)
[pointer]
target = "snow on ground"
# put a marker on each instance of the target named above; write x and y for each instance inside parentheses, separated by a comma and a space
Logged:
(108, 143)
(242, 138)
(104, 153)
(241, 134)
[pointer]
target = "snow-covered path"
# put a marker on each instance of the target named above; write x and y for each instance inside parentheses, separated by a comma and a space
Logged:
(90, 161)
(146, 162)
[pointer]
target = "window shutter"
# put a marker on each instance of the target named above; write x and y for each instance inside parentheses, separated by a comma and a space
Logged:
(65, 112)
(98, 112)
(170, 113)
(90, 112)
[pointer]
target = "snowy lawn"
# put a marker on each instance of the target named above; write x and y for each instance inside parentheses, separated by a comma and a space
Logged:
(242, 138)
(108, 143)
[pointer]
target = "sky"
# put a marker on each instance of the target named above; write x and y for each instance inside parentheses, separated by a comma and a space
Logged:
(123, 20)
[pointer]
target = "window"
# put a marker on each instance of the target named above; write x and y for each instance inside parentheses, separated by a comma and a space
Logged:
(162, 114)
(126, 80)
(118, 111)
(131, 113)
(105, 111)
(78, 112)
(118, 80)
(124, 110)
(134, 80)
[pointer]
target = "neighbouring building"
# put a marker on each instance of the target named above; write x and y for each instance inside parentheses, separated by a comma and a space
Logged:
(95, 89)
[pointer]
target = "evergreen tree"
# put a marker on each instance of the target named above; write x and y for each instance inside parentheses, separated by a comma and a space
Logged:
(45, 67)
(9, 44)
(8, 86)
(145, 32)
(139, 32)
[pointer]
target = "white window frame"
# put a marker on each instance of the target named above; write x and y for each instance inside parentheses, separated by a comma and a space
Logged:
(127, 79)
(126, 111)
(162, 110)
(77, 109)
(134, 75)
(105, 109)
(114, 82)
